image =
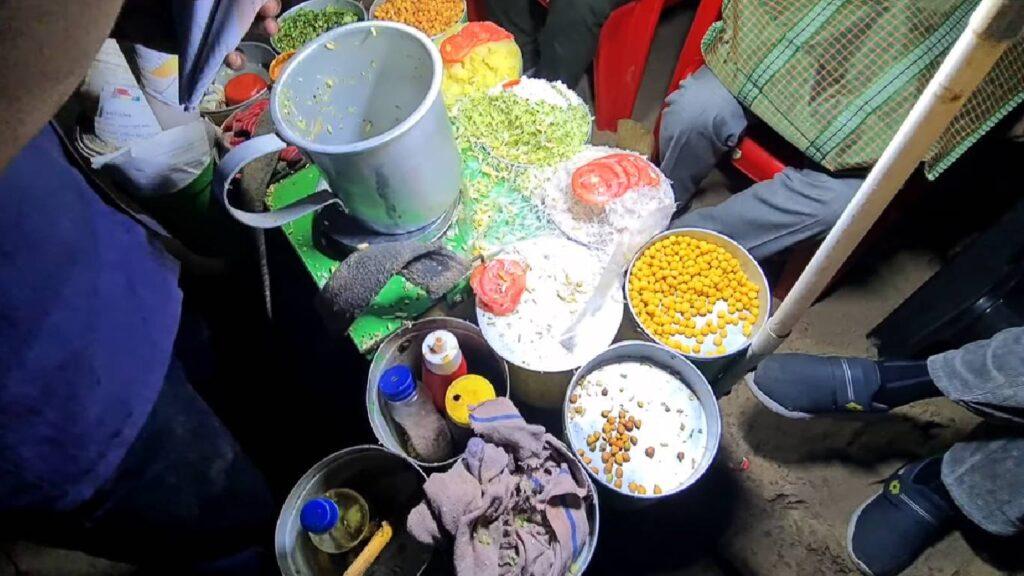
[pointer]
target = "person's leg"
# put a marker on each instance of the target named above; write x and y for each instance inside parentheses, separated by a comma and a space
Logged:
(569, 38)
(986, 481)
(184, 496)
(986, 376)
(773, 215)
(702, 121)
(911, 512)
(980, 480)
(518, 17)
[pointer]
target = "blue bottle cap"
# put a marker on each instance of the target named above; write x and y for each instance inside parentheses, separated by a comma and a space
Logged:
(397, 384)
(319, 515)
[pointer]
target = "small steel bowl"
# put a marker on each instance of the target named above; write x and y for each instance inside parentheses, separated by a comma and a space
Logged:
(319, 5)
(693, 382)
(710, 366)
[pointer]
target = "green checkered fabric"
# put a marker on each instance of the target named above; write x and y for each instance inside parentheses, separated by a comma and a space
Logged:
(837, 77)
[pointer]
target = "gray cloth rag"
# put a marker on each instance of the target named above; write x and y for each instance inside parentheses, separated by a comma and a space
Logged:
(361, 276)
(522, 513)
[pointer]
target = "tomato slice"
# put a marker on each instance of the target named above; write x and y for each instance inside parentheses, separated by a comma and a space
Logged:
(600, 181)
(648, 174)
(243, 87)
(456, 47)
(499, 285)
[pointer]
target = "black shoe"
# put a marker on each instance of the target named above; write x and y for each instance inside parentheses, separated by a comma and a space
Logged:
(802, 385)
(911, 512)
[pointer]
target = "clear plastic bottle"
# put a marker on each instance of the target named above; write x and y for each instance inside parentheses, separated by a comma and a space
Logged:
(411, 406)
(336, 521)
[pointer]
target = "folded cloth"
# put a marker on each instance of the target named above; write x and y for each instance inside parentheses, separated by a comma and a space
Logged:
(522, 513)
(361, 276)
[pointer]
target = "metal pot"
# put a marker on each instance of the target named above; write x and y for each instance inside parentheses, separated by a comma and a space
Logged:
(391, 484)
(710, 367)
(352, 5)
(693, 382)
(363, 101)
(404, 347)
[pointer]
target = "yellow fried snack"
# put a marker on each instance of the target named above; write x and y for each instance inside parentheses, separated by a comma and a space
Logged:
(431, 16)
(674, 288)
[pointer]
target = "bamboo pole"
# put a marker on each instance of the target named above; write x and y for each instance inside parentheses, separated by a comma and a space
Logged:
(992, 27)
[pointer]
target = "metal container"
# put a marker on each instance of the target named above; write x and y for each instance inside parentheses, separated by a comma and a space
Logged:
(363, 101)
(392, 486)
(693, 383)
(320, 5)
(582, 560)
(404, 347)
(462, 20)
(711, 367)
(257, 61)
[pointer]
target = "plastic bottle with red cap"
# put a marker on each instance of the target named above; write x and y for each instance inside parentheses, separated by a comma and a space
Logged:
(443, 363)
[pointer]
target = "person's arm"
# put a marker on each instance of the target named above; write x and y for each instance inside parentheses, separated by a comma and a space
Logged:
(47, 48)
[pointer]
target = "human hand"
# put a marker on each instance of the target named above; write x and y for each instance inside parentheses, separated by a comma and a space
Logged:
(266, 22)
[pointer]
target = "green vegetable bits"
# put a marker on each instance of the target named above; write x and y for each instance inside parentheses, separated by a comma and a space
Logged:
(304, 25)
(522, 131)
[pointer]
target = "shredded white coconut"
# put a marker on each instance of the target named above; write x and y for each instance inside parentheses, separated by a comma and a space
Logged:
(537, 90)
(599, 226)
(560, 277)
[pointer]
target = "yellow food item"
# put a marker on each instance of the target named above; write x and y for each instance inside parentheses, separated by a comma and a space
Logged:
(370, 552)
(488, 65)
(431, 16)
(678, 280)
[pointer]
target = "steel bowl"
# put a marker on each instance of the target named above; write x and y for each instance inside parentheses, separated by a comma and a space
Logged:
(462, 19)
(692, 382)
(710, 366)
(257, 61)
(319, 5)
(392, 486)
(404, 347)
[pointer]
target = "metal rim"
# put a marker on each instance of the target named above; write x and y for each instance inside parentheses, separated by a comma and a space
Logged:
(373, 400)
(433, 92)
(355, 6)
(711, 411)
(300, 487)
(766, 289)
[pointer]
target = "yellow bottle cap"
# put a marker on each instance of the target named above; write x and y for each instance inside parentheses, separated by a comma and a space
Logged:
(469, 390)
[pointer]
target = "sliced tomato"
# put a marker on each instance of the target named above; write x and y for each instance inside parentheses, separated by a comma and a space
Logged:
(243, 87)
(649, 175)
(456, 47)
(499, 285)
(600, 181)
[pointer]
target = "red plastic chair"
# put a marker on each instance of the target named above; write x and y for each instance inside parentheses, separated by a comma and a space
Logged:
(621, 58)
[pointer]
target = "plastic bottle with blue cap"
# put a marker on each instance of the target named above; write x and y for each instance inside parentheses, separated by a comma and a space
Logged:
(336, 521)
(411, 406)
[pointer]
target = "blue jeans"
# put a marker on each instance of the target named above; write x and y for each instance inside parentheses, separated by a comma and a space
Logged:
(702, 122)
(985, 476)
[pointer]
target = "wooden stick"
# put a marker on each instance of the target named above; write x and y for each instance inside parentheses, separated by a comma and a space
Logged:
(370, 552)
